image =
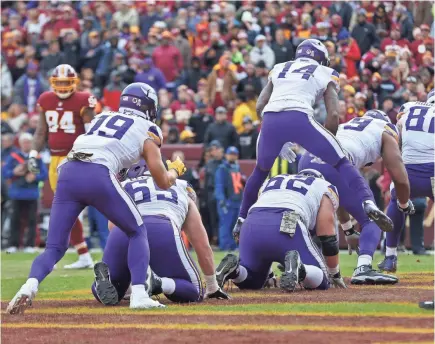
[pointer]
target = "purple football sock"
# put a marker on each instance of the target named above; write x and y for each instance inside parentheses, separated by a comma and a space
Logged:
(369, 239)
(138, 256)
(398, 219)
(44, 263)
(354, 180)
(250, 194)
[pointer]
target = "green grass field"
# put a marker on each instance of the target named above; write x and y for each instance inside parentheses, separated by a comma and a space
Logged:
(15, 268)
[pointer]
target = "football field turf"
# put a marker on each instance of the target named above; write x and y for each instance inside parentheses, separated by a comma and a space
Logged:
(65, 311)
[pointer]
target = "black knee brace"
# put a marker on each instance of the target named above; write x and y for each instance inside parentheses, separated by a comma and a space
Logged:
(329, 245)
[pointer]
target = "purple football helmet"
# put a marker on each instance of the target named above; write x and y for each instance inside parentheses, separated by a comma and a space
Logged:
(313, 49)
(138, 169)
(311, 173)
(378, 114)
(139, 99)
(431, 97)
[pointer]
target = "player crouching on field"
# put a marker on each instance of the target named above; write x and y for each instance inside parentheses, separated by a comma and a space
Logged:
(279, 228)
(174, 273)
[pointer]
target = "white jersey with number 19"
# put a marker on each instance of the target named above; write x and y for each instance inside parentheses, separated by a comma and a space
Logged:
(297, 85)
(116, 140)
(416, 123)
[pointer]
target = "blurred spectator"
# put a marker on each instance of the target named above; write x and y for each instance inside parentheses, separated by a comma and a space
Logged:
(403, 19)
(250, 79)
(394, 39)
(199, 122)
(248, 140)
(348, 47)
(109, 51)
(173, 135)
(91, 55)
(216, 153)
(220, 84)
(187, 136)
(151, 75)
(53, 59)
(283, 49)
(88, 27)
(8, 146)
(194, 74)
(183, 107)
(344, 10)
(387, 86)
(67, 23)
(112, 91)
(148, 19)
(215, 51)
(381, 21)
(364, 32)
(422, 42)
(262, 52)
(183, 46)
(406, 91)
(126, 13)
(243, 109)
(6, 83)
(221, 130)
(29, 87)
(71, 49)
(23, 192)
(228, 193)
(388, 108)
(168, 59)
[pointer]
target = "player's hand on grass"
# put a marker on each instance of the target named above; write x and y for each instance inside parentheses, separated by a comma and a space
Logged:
(409, 209)
(337, 281)
(352, 239)
(177, 165)
(218, 294)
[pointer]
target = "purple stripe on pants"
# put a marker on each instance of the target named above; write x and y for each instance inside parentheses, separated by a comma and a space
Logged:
(261, 244)
(419, 176)
(81, 184)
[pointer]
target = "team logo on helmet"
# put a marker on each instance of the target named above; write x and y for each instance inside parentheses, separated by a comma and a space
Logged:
(139, 99)
(64, 81)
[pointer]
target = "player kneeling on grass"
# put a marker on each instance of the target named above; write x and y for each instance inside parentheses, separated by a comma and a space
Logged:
(165, 213)
(279, 226)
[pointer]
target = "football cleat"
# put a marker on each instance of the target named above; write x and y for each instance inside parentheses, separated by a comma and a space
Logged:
(427, 305)
(22, 300)
(153, 284)
(294, 271)
(141, 300)
(106, 291)
(365, 275)
(389, 264)
(374, 214)
(227, 269)
(85, 262)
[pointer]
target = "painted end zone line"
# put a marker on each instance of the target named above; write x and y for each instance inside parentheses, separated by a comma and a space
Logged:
(221, 327)
(192, 312)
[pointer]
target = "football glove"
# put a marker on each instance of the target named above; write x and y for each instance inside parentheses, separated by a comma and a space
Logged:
(287, 152)
(352, 239)
(409, 208)
(218, 294)
(337, 281)
(236, 229)
(177, 165)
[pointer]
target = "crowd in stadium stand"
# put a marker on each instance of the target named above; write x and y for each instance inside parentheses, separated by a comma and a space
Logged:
(208, 61)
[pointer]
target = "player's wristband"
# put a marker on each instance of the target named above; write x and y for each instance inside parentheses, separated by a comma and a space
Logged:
(33, 154)
(403, 206)
(333, 271)
(174, 169)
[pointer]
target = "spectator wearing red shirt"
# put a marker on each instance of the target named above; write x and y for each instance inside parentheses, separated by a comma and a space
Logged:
(168, 59)
(394, 39)
(419, 46)
(15, 25)
(183, 108)
(348, 47)
(67, 23)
